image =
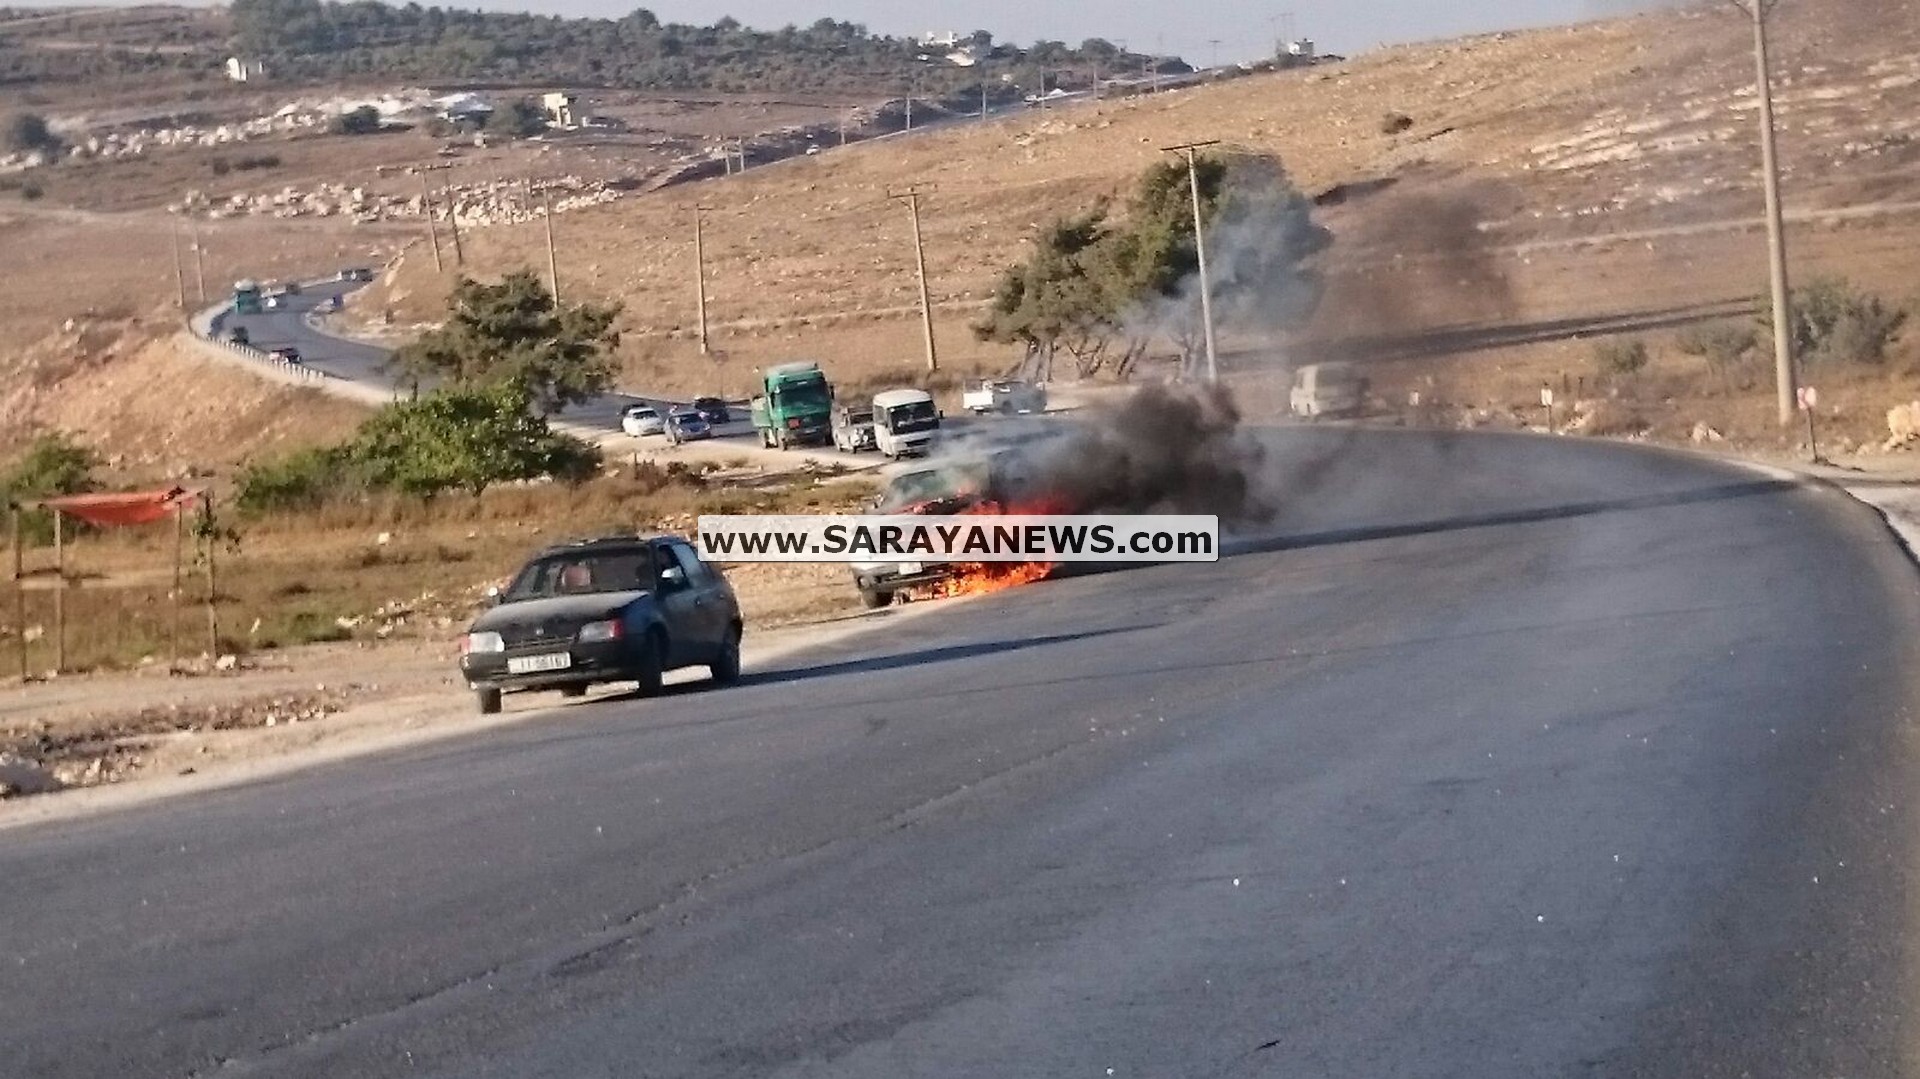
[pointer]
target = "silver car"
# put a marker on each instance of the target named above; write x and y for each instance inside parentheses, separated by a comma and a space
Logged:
(641, 420)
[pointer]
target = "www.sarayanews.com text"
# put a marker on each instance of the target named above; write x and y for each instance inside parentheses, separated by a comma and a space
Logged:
(1052, 538)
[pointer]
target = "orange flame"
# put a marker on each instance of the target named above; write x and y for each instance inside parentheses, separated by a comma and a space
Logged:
(981, 578)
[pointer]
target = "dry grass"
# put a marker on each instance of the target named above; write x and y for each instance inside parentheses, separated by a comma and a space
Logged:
(394, 567)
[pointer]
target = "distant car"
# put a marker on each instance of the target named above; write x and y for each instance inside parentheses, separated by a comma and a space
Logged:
(239, 336)
(641, 420)
(1327, 389)
(622, 609)
(356, 273)
(287, 354)
(712, 409)
(272, 303)
(688, 426)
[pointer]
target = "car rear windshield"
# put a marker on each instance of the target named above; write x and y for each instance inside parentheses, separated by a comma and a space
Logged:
(586, 573)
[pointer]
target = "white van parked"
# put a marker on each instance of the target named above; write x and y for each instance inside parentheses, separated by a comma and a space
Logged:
(904, 422)
(1327, 389)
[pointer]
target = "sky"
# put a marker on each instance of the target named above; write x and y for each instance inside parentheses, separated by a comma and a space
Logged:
(1243, 29)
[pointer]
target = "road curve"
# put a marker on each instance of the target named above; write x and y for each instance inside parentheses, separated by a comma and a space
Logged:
(1497, 756)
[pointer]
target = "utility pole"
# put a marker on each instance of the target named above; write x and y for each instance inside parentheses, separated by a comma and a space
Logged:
(199, 263)
(911, 196)
(1215, 42)
(1200, 250)
(700, 275)
(1786, 375)
(433, 231)
(983, 97)
(553, 258)
(453, 224)
(179, 271)
(909, 110)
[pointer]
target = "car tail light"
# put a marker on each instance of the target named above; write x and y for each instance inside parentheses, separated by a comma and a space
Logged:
(793, 423)
(609, 630)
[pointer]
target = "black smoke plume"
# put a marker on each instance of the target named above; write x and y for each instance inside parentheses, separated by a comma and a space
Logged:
(1163, 450)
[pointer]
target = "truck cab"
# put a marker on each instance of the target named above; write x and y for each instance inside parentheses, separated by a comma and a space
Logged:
(794, 406)
(247, 298)
(904, 422)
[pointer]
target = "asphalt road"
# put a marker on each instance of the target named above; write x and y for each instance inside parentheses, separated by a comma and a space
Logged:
(1497, 757)
(357, 361)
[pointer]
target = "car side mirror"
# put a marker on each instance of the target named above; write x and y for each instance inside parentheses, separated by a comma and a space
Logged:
(673, 579)
(492, 596)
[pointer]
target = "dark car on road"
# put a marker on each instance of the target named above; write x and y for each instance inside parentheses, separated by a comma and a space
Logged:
(287, 354)
(620, 609)
(712, 409)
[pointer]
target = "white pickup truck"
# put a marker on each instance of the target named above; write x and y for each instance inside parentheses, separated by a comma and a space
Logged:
(1003, 395)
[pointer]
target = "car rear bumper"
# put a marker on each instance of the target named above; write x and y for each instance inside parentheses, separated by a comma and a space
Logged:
(890, 579)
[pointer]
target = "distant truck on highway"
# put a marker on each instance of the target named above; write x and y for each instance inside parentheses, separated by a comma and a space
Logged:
(793, 407)
(904, 422)
(1003, 395)
(247, 298)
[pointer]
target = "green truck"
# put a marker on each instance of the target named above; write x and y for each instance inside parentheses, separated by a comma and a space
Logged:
(246, 298)
(794, 406)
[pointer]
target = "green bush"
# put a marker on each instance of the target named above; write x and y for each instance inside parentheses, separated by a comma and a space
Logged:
(1727, 348)
(1618, 356)
(364, 120)
(54, 464)
(1834, 322)
(305, 480)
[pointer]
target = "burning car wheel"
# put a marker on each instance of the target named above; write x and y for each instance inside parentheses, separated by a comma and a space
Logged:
(873, 599)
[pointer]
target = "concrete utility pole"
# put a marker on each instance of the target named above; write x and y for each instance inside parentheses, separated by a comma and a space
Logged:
(179, 271)
(433, 231)
(700, 275)
(199, 263)
(1786, 374)
(453, 224)
(553, 258)
(1200, 250)
(911, 196)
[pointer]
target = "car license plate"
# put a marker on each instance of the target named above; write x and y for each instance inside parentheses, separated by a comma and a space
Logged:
(908, 569)
(550, 661)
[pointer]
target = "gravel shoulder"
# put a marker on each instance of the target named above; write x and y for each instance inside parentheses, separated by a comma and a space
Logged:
(119, 740)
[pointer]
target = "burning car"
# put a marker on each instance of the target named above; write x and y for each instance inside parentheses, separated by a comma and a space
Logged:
(995, 483)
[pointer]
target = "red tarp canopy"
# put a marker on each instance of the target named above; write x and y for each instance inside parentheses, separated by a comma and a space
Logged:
(121, 508)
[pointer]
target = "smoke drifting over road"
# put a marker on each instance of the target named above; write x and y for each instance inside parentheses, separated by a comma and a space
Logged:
(1164, 450)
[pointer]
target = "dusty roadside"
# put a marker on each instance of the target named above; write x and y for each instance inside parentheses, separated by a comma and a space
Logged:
(112, 741)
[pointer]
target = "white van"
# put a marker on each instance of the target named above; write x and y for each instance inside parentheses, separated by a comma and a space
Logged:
(1327, 389)
(904, 422)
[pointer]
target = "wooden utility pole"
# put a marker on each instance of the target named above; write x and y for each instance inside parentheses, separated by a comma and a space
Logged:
(700, 275)
(1200, 250)
(911, 196)
(19, 588)
(179, 550)
(1786, 372)
(213, 586)
(59, 593)
(433, 231)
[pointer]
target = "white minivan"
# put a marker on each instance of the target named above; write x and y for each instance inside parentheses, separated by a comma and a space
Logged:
(904, 422)
(1327, 389)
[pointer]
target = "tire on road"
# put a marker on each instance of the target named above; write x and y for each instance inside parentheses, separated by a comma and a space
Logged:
(726, 666)
(873, 598)
(652, 665)
(488, 700)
